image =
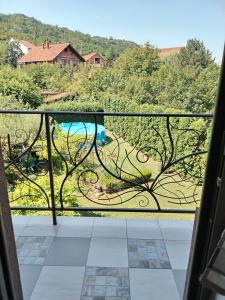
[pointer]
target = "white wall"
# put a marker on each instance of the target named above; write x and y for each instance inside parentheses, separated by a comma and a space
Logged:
(23, 48)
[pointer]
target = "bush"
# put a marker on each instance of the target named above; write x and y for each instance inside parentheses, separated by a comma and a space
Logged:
(19, 85)
(74, 106)
(113, 185)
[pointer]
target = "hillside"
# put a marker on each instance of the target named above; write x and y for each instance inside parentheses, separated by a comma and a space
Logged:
(20, 26)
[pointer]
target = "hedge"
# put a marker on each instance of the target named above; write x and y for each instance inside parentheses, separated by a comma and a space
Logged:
(189, 134)
(74, 106)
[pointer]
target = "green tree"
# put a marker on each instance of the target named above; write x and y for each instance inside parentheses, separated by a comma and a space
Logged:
(141, 61)
(139, 89)
(3, 58)
(195, 55)
(170, 84)
(111, 56)
(13, 53)
(15, 82)
(201, 96)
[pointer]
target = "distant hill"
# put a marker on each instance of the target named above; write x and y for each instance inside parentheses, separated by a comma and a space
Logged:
(20, 26)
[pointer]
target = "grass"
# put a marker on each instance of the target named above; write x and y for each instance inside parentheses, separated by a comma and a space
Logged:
(125, 158)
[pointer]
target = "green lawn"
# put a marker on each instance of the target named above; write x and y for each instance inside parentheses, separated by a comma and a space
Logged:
(125, 158)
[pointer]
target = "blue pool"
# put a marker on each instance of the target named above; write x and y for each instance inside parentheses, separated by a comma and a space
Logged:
(81, 128)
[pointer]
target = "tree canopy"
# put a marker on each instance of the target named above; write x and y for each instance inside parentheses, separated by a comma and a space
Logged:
(195, 55)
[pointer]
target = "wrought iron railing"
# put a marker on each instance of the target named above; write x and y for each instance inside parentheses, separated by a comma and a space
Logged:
(65, 161)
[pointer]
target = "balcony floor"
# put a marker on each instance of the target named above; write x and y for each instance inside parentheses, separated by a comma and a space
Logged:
(102, 258)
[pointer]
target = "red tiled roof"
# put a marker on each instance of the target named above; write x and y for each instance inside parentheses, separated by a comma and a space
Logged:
(38, 54)
(169, 51)
(26, 44)
(89, 55)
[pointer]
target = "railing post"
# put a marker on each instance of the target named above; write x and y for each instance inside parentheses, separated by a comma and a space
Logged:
(50, 167)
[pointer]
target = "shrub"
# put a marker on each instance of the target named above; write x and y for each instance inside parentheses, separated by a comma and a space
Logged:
(112, 185)
(74, 106)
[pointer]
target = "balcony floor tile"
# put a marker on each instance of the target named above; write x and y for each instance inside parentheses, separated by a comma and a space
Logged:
(29, 276)
(143, 229)
(33, 250)
(106, 282)
(76, 227)
(57, 283)
(109, 228)
(148, 254)
(108, 253)
(42, 220)
(39, 230)
(153, 284)
(176, 230)
(178, 252)
(180, 277)
(68, 252)
(102, 245)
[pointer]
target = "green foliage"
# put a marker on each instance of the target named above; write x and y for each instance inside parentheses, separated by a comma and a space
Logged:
(49, 77)
(85, 105)
(16, 83)
(13, 53)
(146, 139)
(3, 52)
(201, 96)
(170, 84)
(140, 61)
(113, 185)
(11, 103)
(196, 55)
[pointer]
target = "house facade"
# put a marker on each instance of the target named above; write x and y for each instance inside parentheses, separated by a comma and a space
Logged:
(63, 54)
(94, 59)
(25, 46)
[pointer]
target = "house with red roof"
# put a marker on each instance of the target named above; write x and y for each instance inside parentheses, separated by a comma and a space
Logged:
(94, 59)
(163, 52)
(63, 54)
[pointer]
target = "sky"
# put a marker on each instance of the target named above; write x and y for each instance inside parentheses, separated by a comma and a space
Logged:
(164, 23)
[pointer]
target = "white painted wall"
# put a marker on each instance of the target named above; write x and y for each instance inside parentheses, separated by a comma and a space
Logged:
(24, 48)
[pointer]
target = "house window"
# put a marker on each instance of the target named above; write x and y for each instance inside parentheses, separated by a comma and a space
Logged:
(97, 60)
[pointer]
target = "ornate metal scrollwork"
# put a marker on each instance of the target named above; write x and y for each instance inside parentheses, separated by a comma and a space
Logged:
(156, 162)
(117, 172)
(23, 167)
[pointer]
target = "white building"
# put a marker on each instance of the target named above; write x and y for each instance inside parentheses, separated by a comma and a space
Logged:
(25, 46)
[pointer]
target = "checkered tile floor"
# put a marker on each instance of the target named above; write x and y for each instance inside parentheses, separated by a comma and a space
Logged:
(102, 258)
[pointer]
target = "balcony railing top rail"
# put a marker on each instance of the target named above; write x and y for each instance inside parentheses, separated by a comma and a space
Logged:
(101, 113)
(139, 162)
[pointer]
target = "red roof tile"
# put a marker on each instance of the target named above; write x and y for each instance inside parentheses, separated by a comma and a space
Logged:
(169, 51)
(90, 55)
(26, 44)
